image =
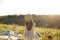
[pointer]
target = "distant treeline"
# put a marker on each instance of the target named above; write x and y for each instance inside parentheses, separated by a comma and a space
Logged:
(48, 21)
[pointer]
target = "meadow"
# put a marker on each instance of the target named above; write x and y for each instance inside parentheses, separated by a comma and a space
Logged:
(42, 31)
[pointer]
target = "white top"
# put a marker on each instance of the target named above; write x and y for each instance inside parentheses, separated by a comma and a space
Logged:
(29, 34)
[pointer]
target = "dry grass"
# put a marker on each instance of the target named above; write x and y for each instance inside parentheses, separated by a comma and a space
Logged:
(43, 31)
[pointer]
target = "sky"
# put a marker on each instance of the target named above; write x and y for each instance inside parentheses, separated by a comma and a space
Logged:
(39, 7)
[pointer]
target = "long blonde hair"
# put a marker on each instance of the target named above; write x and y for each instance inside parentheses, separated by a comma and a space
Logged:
(29, 19)
(29, 22)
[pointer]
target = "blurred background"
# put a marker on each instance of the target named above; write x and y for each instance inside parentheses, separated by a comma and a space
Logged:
(46, 21)
(45, 24)
(46, 15)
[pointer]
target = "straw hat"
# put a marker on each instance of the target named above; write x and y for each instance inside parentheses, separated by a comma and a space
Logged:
(28, 18)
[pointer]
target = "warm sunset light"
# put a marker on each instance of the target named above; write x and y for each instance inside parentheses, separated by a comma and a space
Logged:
(45, 7)
(29, 19)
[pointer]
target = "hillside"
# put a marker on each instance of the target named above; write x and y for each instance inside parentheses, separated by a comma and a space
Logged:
(48, 21)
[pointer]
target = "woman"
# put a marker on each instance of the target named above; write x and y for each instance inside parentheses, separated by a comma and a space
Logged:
(29, 31)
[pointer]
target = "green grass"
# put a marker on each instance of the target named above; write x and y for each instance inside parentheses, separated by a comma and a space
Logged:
(43, 31)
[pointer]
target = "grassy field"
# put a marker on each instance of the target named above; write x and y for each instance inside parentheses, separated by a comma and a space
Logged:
(43, 31)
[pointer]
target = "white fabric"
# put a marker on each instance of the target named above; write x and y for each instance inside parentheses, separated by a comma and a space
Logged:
(30, 35)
